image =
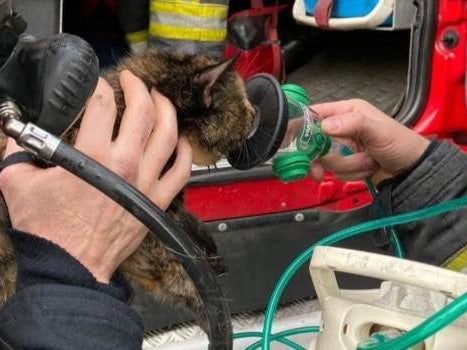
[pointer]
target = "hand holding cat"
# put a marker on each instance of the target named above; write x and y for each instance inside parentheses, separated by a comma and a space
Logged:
(382, 147)
(57, 206)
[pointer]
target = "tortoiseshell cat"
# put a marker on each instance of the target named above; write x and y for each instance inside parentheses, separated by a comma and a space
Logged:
(215, 115)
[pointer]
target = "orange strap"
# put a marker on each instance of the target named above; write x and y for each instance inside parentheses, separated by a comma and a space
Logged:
(323, 10)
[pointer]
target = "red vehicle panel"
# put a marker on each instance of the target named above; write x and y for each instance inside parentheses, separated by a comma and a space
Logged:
(444, 115)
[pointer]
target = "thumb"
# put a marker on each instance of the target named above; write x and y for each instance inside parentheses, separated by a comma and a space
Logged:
(9, 175)
(11, 147)
(352, 125)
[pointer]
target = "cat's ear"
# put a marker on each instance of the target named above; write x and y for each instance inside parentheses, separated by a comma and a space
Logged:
(209, 76)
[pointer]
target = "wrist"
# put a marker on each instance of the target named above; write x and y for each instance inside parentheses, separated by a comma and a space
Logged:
(41, 261)
(100, 265)
(415, 153)
(394, 180)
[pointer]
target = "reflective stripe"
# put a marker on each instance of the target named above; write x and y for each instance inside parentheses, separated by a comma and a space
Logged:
(183, 8)
(137, 37)
(187, 33)
(187, 21)
(214, 48)
(458, 262)
(179, 22)
(221, 2)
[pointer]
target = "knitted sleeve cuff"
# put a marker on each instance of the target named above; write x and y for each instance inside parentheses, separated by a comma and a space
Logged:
(42, 262)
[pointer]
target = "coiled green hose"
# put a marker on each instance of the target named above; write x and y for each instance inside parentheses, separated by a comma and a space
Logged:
(280, 337)
(430, 326)
(419, 333)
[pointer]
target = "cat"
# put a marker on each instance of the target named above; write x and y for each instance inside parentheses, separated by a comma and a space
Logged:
(214, 113)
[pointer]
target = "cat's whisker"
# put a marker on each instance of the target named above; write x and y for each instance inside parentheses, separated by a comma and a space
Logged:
(182, 254)
(220, 299)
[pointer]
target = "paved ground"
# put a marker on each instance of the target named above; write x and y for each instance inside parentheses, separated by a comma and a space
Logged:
(190, 337)
(368, 65)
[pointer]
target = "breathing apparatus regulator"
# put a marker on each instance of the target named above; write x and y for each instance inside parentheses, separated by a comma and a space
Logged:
(276, 105)
(310, 143)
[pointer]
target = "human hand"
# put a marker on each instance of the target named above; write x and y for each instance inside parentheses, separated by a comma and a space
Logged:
(57, 206)
(382, 147)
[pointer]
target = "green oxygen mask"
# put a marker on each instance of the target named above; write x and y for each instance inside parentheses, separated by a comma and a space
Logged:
(294, 162)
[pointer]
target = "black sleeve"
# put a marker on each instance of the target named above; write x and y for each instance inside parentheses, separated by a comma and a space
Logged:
(440, 175)
(60, 305)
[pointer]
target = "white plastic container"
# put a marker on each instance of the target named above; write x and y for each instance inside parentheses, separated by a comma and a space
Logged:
(412, 293)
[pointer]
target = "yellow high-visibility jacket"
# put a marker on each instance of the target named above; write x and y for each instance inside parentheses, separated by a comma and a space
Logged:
(181, 25)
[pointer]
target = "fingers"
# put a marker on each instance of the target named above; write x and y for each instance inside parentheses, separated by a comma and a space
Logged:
(317, 171)
(332, 108)
(13, 172)
(352, 167)
(139, 116)
(12, 147)
(163, 139)
(354, 125)
(176, 177)
(345, 106)
(98, 120)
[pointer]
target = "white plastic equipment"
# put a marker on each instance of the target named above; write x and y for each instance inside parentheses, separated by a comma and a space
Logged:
(415, 292)
(403, 12)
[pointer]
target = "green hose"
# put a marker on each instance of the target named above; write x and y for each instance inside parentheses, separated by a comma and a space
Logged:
(394, 237)
(274, 337)
(396, 244)
(437, 321)
(280, 337)
(350, 232)
(287, 333)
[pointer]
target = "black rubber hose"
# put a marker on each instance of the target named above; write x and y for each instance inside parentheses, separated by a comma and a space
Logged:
(216, 309)
(6, 343)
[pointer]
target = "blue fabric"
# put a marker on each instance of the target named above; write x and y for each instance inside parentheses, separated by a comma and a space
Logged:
(57, 316)
(345, 8)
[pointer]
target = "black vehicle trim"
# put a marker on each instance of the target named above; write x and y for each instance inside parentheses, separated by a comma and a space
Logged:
(420, 62)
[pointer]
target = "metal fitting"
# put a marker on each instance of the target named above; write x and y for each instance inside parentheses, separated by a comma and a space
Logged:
(38, 141)
(9, 110)
(28, 136)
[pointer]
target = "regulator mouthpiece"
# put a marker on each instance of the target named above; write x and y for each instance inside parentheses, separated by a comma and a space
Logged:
(50, 79)
(297, 97)
(266, 96)
(293, 163)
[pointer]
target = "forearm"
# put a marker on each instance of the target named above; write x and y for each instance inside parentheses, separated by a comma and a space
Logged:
(60, 305)
(440, 176)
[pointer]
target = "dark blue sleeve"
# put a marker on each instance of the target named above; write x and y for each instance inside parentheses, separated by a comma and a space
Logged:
(60, 305)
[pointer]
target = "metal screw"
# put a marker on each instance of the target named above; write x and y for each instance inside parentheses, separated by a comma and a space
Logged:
(450, 39)
(299, 217)
(222, 227)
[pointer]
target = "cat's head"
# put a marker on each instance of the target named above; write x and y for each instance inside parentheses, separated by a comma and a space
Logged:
(213, 110)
